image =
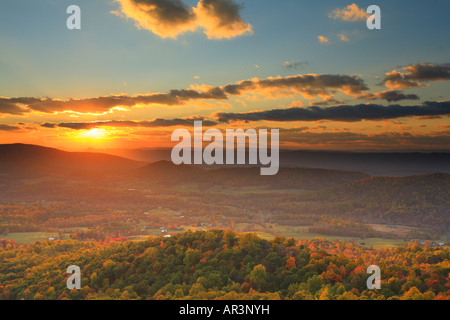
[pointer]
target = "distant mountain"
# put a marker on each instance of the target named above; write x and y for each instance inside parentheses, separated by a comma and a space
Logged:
(28, 161)
(372, 163)
(149, 155)
(287, 178)
(422, 199)
(431, 187)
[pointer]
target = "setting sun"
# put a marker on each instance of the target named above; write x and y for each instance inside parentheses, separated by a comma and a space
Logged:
(96, 133)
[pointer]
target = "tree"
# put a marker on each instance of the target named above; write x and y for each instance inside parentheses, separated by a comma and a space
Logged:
(258, 277)
(272, 262)
(302, 295)
(412, 294)
(326, 294)
(395, 285)
(348, 296)
(314, 284)
(290, 263)
(179, 294)
(192, 257)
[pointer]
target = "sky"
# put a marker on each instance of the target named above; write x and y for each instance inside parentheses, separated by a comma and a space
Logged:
(139, 69)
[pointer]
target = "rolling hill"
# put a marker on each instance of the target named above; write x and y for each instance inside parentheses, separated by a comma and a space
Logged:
(414, 200)
(371, 163)
(287, 178)
(32, 161)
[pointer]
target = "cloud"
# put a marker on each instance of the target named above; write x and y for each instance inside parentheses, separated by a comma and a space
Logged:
(21, 106)
(397, 80)
(13, 106)
(49, 125)
(156, 123)
(389, 95)
(379, 140)
(343, 37)
(221, 19)
(323, 39)
(295, 65)
(415, 74)
(428, 71)
(165, 18)
(309, 85)
(350, 13)
(6, 127)
(344, 113)
(327, 102)
(170, 18)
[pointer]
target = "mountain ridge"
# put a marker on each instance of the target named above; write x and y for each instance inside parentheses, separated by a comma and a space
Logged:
(27, 160)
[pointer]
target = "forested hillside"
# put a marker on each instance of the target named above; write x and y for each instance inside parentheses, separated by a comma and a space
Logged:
(415, 200)
(221, 265)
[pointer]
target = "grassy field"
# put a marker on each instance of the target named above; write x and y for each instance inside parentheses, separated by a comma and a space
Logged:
(270, 231)
(29, 237)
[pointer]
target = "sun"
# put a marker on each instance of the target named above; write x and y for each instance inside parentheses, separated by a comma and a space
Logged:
(95, 133)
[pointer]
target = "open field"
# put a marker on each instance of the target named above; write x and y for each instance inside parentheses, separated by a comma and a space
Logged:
(270, 231)
(267, 231)
(29, 237)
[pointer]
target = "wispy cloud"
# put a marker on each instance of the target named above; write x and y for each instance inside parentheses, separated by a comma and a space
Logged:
(156, 123)
(350, 13)
(343, 37)
(323, 39)
(295, 65)
(7, 127)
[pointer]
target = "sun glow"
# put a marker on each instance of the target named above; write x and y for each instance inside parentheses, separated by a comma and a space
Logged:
(96, 133)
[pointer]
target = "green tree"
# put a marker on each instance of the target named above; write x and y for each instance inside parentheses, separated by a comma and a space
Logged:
(258, 277)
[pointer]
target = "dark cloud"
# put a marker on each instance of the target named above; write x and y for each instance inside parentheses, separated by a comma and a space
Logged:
(310, 84)
(167, 11)
(165, 18)
(380, 140)
(390, 95)
(295, 65)
(156, 123)
(12, 107)
(49, 125)
(344, 113)
(414, 74)
(6, 127)
(227, 12)
(428, 72)
(327, 102)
